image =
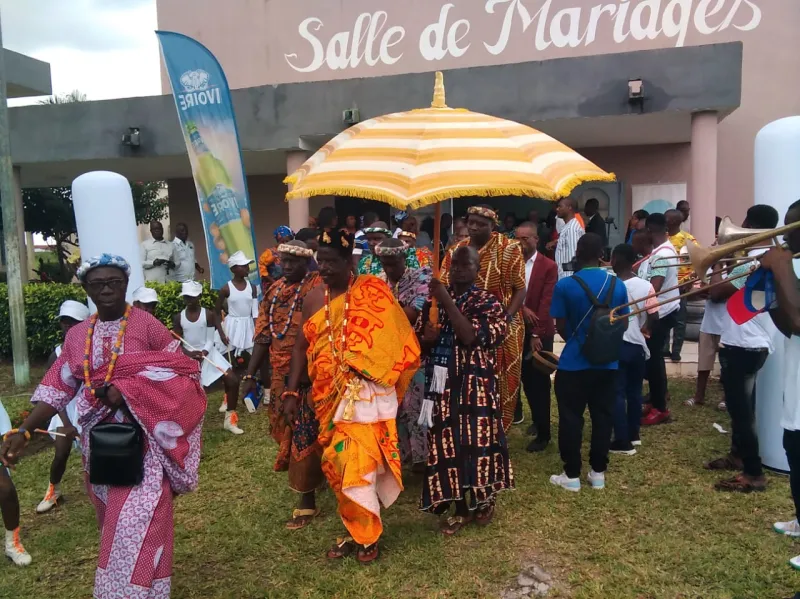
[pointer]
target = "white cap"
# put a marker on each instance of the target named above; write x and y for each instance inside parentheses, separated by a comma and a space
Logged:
(74, 310)
(239, 259)
(192, 289)
(145, 295)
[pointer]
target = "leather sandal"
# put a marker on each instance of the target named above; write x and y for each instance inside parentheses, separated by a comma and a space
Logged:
(302, 518)
(367, 555)
(453, 525)
(343, 547)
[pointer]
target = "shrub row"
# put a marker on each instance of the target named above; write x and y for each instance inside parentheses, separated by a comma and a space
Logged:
(42, 301)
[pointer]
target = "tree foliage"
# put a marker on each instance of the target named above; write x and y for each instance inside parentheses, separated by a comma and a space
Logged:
(49, 211)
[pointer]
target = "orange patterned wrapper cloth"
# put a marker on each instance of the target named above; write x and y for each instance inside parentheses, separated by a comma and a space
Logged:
(361, 457)
(296, 459)
(502, 274)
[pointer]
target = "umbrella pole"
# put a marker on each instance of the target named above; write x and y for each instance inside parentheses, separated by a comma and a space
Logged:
(437, 238)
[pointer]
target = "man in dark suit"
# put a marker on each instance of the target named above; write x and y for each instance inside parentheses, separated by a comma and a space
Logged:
(595, 223)
(541, 276)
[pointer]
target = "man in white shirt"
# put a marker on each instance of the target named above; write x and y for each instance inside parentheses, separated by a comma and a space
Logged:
(744, 351)
(158, 255)
(569, 235)
(187, 266)
(662, 276)
(634, 352)
(786, 316)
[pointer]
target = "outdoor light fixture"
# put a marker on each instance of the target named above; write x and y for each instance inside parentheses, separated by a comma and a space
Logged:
(636, 93)
(351, 116)
(131, 138)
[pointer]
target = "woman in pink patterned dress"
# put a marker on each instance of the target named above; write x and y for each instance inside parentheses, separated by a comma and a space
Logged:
(150, 382)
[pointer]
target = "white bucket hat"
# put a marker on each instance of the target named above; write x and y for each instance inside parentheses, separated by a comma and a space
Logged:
(239, 259)
(192, 289)
(74, 310)
(145, 295)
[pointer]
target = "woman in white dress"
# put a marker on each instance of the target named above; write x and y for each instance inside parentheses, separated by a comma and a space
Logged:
(197, 326)
(240, 294)
(66, 422)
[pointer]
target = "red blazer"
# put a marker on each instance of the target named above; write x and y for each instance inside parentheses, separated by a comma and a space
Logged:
(540, 294)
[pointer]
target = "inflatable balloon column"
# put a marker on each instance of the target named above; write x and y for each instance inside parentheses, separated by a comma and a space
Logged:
(106, 221)
(777, 183)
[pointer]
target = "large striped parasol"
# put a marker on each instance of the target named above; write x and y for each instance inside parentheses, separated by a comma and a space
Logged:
(412, 159)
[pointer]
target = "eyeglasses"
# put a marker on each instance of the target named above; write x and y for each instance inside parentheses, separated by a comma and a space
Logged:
(113, 284)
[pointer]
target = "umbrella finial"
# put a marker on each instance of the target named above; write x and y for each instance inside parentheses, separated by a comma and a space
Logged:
(438, 92)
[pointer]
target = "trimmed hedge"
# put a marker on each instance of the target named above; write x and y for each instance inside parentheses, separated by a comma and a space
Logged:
(42, 301)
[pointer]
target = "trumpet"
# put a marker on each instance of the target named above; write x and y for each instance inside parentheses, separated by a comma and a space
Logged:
(702, 258)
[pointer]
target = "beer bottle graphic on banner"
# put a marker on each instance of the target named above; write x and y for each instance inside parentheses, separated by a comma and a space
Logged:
(218, 189)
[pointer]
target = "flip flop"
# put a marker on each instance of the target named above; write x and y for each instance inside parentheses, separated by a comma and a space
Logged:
(302, 518)
(343, 547)
(367, 555)
(739, 484)
(722, 406)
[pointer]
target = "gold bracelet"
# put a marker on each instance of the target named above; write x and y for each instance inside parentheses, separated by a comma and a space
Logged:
(14, 431)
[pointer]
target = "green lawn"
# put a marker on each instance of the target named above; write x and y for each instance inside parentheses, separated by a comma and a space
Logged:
(658, 530)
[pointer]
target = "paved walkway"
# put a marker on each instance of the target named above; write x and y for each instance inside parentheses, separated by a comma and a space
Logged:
(687, 367)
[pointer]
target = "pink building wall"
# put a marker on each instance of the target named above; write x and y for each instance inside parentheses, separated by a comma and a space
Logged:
(262, 42)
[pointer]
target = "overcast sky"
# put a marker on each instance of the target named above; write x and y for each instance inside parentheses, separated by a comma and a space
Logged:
(104, 48)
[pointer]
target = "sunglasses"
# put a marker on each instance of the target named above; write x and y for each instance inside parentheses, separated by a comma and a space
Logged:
(113, 284)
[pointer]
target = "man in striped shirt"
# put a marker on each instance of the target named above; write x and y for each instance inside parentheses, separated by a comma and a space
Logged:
(569, 235)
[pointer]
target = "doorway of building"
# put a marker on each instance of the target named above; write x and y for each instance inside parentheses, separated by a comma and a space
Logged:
(347, 206)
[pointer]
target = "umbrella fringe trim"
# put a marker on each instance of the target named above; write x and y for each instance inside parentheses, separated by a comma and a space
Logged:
(367, 194)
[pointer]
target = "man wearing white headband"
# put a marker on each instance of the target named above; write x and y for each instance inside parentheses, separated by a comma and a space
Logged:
(196, 327)
(66, 422)
(145, 299)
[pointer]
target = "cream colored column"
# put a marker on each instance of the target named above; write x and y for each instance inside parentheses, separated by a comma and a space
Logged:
(298, 209)
(24, 256)
(703, 179)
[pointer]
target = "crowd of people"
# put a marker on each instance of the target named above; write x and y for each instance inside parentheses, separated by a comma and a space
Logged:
(373, 364)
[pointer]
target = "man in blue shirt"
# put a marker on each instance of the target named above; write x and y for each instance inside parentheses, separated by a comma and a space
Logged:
(579, 382)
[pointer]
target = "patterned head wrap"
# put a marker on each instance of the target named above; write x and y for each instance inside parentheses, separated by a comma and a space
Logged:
(383, 249)
(338, 240)
(409, 234)
(103, 260)
(296, 248)
(484, 212)
(401, 216)
(378, 227)
(283, 231)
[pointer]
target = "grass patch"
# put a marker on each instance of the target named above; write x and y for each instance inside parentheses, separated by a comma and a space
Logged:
(659, 530)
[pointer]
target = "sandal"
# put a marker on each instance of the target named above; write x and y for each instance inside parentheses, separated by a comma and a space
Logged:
(343, 547)
(367, 555)
(484, 515)
(453, 525)
(724, 463)
(741, 484)
(302, 518)
(722, 406)
(692, 402)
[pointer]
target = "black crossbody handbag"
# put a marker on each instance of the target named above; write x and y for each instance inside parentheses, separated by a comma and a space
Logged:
(116, 452)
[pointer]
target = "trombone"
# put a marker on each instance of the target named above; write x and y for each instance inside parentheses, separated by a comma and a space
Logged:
(702, 258)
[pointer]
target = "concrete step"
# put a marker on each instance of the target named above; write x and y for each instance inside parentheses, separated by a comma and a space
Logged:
(686, 368)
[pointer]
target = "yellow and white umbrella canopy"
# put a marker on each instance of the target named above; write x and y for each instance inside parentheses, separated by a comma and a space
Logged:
(412, 159)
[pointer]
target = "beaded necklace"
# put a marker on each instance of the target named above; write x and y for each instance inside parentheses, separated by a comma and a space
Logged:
(343, 347)
(282, 334)
(87, 352)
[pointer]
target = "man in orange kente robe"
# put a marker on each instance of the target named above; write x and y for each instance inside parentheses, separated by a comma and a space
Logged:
(360, 352)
